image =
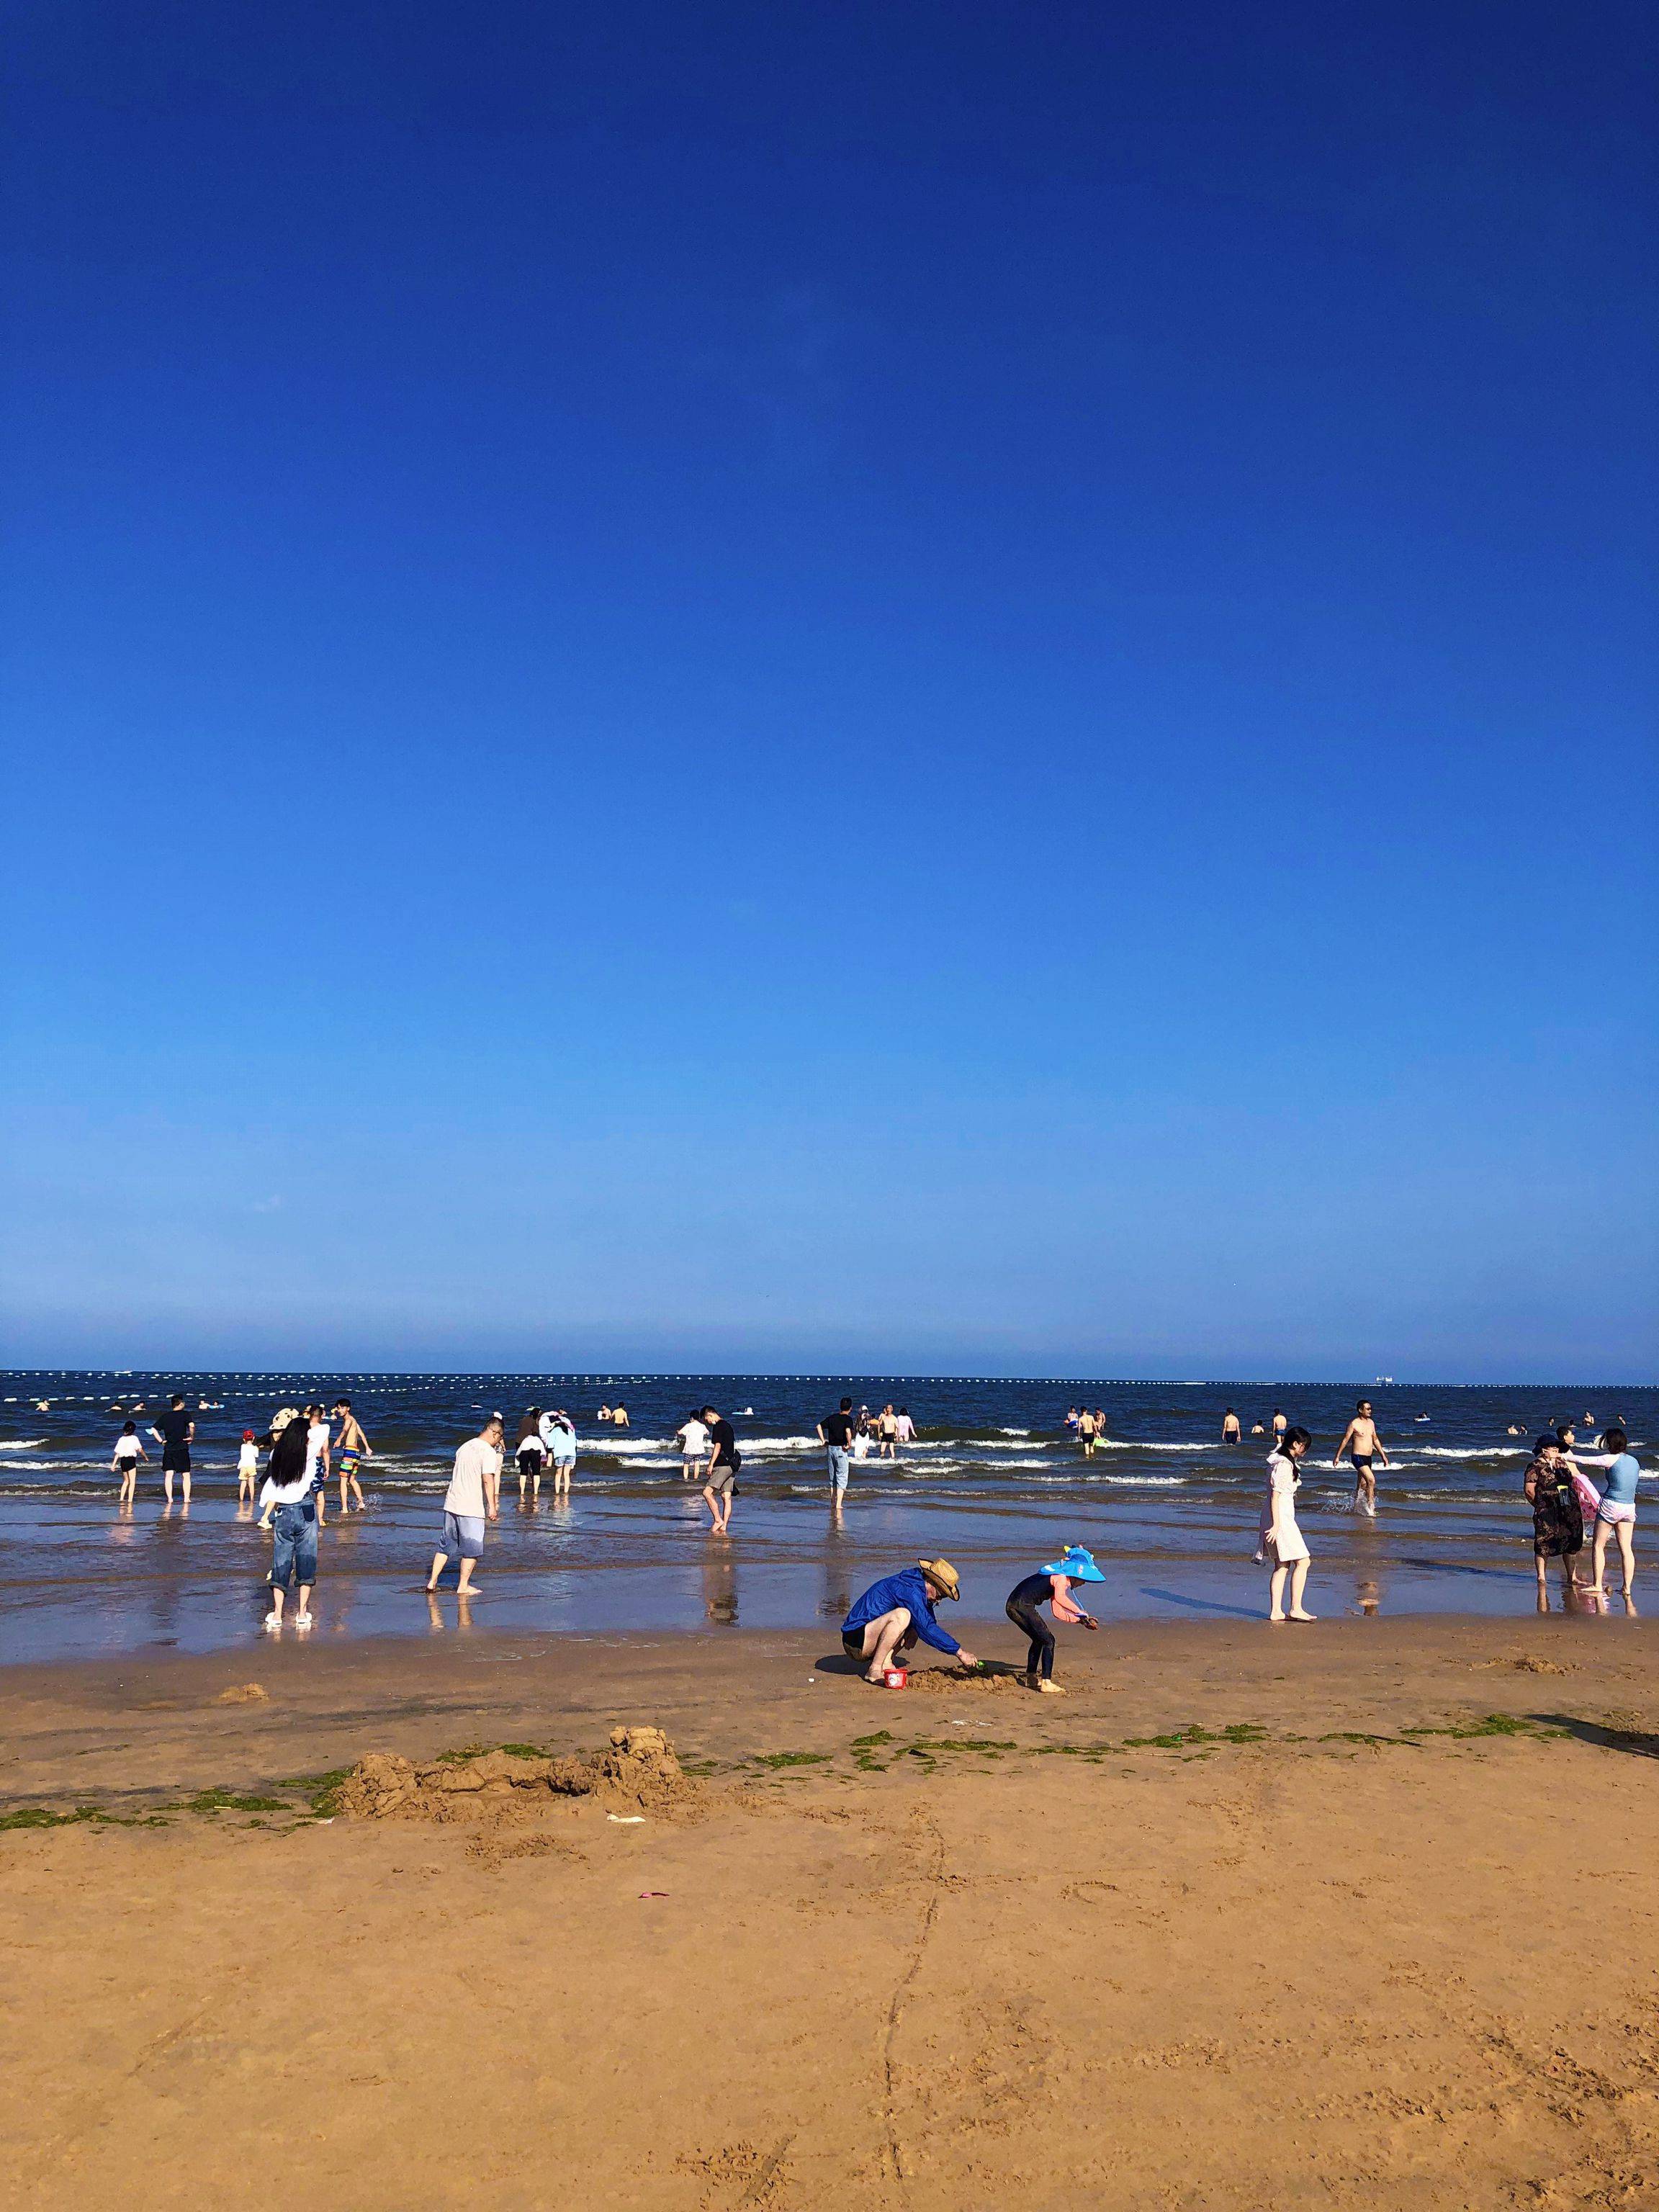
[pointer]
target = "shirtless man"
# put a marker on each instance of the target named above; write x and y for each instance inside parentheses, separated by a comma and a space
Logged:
(887, 1429)
(352, 1445)
(1230, 1431)
(1363, 1444)
(1280, 1423)
(1085, 1433)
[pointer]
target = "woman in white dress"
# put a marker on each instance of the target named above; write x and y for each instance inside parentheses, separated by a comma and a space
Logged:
(1283, 1546)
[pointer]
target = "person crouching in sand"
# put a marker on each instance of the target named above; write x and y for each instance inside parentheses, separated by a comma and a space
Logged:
(894, 1611)
(1557, 1519)
(1283, 1546)
(1052, 1588)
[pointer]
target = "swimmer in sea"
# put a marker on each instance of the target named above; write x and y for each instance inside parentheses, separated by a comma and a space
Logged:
(1363, 1444)
(1280, 1423)
(1229, 1429)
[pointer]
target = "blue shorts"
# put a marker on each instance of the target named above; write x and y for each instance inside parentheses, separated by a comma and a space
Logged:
(293, 1549)
(463, 1537)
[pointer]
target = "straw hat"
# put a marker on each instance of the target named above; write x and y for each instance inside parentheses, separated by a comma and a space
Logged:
(288, 1413)
(943, 1576)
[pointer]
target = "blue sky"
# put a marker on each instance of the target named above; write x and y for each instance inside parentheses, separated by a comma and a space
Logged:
(918, 686)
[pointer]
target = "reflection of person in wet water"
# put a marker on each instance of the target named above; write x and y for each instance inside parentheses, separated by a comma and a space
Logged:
(1052, 1588)
(893, 1612)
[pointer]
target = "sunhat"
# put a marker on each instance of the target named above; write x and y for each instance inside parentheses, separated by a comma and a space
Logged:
(943, 1576)
(1078, 1563)
(288, 1413)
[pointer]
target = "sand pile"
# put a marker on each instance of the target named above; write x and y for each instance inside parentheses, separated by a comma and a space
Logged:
(951, 1681)
(637, 1772)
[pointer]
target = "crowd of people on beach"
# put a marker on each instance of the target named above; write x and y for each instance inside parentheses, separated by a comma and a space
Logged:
(308, 1447)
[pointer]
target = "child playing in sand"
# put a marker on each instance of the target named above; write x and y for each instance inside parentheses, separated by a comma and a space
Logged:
(1282, 1543)
(129, 1450)
(1052, 1588)
(247, 1468)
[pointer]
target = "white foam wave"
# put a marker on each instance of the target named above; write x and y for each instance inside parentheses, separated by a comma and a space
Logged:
(1130, 1443)
(1473, 1451)
(20, 1443)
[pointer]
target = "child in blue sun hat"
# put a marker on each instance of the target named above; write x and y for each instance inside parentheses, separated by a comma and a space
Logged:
(1051, 1586)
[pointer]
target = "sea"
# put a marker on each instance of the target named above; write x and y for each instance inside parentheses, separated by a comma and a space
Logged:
(995, 1482)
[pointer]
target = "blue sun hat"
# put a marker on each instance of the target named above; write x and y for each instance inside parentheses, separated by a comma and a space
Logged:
(1078, 1564)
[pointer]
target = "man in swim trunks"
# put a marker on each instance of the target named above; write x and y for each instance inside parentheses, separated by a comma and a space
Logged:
(894, 1611)
(887, 1429)
(352, 1446)
(1363, 1444)
(1230, 1431)
(1085, 1433)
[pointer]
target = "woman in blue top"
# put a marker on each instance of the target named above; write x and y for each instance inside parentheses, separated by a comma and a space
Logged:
(1617, 1513)
(1051, 1587)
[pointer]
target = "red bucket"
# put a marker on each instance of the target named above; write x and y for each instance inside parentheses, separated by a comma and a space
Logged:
(895, 1678)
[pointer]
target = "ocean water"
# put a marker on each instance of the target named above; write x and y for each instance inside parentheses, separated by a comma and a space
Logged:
(994, 1482)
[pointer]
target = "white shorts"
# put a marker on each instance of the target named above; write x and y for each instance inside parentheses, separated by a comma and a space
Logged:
(1614, 1514)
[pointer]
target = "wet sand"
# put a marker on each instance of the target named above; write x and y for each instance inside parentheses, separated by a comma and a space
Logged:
(1359, 1914)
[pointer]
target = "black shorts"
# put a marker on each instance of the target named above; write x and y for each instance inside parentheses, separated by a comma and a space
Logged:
(854, 1645)
(530, 1462)
(1361, 1462)
(175, 1460)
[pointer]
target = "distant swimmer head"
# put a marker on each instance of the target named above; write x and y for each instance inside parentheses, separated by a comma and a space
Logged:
(1078, 1562)
(943, 1576)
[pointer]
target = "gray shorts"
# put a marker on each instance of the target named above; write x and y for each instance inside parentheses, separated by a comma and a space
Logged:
(463, 1537)
(723, 1481)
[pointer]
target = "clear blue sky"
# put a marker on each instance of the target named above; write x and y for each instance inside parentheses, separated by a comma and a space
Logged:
(926, 686)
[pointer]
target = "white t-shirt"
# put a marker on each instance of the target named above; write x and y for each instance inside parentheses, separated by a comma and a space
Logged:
(316, 1443)
(532, 1443)
(248, 1459)
(905, 1432)
(127, 1448)
(860, 1444)
(466, 1494)
(693, 1440)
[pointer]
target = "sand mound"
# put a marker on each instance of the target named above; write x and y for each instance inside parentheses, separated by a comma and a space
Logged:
(950, 1681)
(243, 1693)
(637, 1772)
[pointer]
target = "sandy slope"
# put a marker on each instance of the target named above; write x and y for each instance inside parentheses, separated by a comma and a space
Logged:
(916, 1973)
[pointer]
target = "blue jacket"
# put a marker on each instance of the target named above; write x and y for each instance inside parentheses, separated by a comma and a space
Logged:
(909, 1588)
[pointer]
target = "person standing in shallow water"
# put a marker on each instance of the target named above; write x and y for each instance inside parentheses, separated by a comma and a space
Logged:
(1230, 1427)
(1051, 1587)
(473, 1498)
(1282, 1544)
(1363, 1446)
(1558, 1520)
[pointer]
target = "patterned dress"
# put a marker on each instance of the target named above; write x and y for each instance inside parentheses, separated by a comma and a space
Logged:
(1557, 1519)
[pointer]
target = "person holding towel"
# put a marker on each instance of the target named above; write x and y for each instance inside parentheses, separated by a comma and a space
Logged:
(1051, 1587)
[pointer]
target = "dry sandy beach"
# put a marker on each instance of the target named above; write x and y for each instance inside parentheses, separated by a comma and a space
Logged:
(1360, 1915)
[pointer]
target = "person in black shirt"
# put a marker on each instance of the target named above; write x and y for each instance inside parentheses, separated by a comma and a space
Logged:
(835, 1435)
(1051, 1587)
(724, 1461)
(174, 1430)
